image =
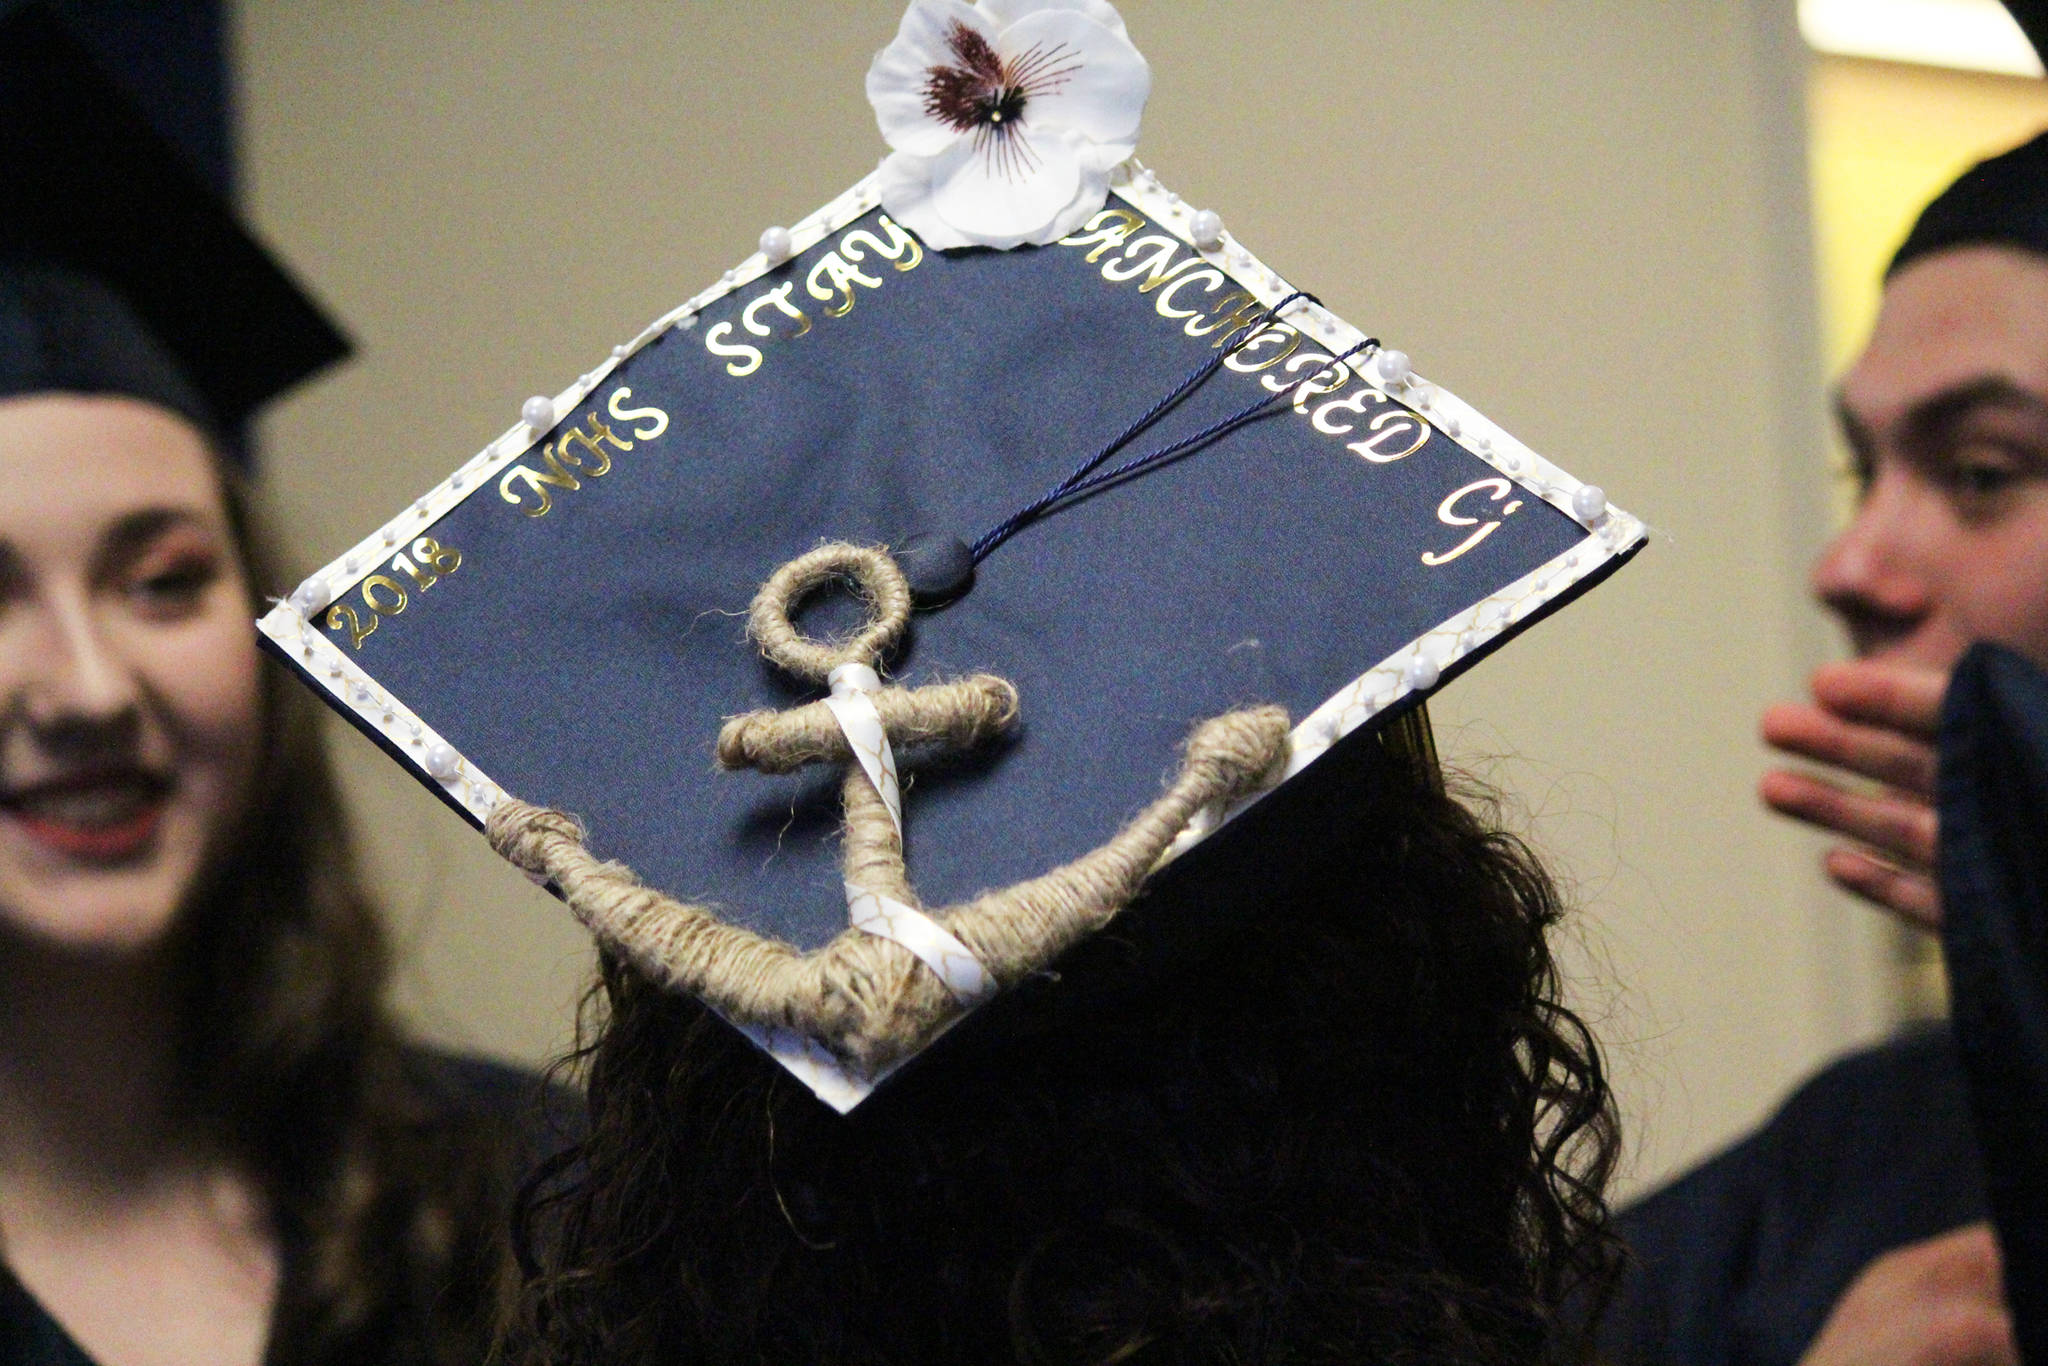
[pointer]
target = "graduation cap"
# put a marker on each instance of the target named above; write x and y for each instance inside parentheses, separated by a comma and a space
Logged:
(121, 271)
(934, 589)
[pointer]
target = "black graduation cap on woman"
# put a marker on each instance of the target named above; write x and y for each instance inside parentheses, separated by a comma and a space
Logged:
(121, 271)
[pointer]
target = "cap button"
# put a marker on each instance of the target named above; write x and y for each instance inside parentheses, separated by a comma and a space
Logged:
(938, 568)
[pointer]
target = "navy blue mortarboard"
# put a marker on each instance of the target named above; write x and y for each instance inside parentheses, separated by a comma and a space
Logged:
(121, 271)
(943, 580)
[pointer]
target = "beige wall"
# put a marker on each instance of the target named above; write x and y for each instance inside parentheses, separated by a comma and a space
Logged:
(1589, 219)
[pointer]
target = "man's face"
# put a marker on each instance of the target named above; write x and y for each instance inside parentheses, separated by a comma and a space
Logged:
(1946, 412)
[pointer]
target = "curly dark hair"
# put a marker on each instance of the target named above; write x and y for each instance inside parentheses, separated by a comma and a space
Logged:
(389, 1174)
(1315, 1101)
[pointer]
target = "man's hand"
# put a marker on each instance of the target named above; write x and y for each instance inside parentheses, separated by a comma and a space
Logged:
(1937, 1303)
(1873, 721)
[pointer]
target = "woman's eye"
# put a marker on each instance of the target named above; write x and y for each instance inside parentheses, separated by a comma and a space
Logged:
(176, 588)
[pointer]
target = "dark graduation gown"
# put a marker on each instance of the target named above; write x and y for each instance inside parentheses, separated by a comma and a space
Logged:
(460, 1092)
(1738, 1262)
(1994, 887)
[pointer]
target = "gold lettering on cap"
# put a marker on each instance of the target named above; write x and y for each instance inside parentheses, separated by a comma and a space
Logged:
(1388, 425)
(1274, 352)
(779, 298)
(537, 482)
(1105, 232)
(579, 451)
(1213, 281)
(657, 419)
(593, 460)
(1150, 257)
(1448, 514)
(1327, 376)
(1241, 360)
(1227, 314)
(381, 595)
(901, 249)
(747, 358)
(832, 280)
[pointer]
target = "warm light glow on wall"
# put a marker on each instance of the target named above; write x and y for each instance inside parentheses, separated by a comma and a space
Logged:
(1885, 139)
(1969, 35)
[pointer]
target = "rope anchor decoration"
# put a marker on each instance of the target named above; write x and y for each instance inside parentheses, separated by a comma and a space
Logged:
(852, 727)
(900, 973)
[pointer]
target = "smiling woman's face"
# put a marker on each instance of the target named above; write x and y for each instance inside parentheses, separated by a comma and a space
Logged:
(128, 670)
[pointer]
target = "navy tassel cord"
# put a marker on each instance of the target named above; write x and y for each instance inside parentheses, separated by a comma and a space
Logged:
(1085, 477)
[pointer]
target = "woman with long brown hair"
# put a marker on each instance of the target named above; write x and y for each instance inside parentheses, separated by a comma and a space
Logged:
(215, 1143)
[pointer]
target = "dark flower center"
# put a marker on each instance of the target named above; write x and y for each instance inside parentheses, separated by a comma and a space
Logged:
(983, 93)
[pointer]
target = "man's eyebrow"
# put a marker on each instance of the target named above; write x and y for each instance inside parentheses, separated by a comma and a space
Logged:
(1933, 417)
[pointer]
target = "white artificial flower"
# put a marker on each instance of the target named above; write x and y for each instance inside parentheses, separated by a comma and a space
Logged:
(1005, 116)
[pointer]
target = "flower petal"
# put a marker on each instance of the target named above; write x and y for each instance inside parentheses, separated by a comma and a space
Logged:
(988, 202)
(1003, 13)
(1103, 96)
(905, 183)
(1089, 196)
(896, 78)
(1105, 157)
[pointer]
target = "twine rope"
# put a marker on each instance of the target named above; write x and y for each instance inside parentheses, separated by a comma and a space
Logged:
(871, 909)
(870, 998)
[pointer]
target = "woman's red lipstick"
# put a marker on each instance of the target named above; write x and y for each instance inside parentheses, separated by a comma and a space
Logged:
(106, 817)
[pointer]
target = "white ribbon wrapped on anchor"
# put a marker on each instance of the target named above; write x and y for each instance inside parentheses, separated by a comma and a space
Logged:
(871, 911)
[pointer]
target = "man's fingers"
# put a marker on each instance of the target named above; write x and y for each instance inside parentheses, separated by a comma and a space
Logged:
(1874, 720)
(1937, 1303)
(1896, 759)
(1907, 893)
(1964, 1259)
(1901, 697)
(1895, 824)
